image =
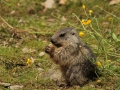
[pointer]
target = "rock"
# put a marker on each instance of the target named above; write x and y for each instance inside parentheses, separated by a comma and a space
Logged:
(62, 2)
(53, 74)
(112, 2)
(93, 86)
(28, 50)
(48, 4)
(5, 84)
(12, 12)
(16, 87)
(40, 69)
(38, 64)
(41, 54)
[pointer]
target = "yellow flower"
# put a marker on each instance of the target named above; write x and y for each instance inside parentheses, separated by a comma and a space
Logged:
(108, 60)
(98, 81)
(81, 34)
(97, 5)
(99, 64)
(29, 61)
(110, 19)
(86, 22)
(90, 12)
(82, 20)
(83, 6)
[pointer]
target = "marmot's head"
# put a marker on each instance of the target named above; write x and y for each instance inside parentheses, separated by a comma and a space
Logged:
(65, 36)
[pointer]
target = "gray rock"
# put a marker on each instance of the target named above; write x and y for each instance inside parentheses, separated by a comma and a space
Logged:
(40, 69)
(16, 87)
(41, 54)
(5, 84)
(52, 73)
(55, 76)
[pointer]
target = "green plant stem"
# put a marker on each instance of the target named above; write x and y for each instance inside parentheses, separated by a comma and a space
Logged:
(108, 12)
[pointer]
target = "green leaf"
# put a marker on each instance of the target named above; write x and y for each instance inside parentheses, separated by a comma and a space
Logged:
(115, 37)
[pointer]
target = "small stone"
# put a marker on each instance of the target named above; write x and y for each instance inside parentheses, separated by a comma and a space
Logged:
(40, 69)
(55, 76)
(5, 84)
(16, 87)
(62, 2)
(13, 12)
(41, 54)
(112, 2)
(28, 50)
(52, 74)
(38, 64)
(48, 4)
(92, 86)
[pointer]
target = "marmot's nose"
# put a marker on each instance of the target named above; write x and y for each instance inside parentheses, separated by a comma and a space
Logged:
(52, 41)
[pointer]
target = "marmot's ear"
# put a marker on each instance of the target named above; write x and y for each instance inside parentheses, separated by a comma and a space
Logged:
(73, 31)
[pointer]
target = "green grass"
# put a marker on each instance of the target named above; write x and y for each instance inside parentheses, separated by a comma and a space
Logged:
(102, 34)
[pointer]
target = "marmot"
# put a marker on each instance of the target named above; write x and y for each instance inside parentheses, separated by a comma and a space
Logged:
(73, 56)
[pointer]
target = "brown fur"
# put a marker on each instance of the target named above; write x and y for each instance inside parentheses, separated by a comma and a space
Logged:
(73, 55)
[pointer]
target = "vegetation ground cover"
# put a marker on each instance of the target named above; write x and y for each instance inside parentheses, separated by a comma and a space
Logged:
(25, 30)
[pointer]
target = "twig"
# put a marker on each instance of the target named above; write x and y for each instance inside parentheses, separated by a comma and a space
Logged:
(108, 12)
(6, 22)
(18, 31)
(42, 33)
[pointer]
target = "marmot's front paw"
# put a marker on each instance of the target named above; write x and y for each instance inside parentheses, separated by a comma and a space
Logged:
(49, 48)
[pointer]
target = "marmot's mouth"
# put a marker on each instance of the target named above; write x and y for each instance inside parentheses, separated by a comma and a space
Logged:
(57, 44)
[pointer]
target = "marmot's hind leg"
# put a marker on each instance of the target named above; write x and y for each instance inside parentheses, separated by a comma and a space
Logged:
(75, 76)
(63, 83)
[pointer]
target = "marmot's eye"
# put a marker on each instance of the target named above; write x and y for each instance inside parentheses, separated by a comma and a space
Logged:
(62, 35)
(73, 33)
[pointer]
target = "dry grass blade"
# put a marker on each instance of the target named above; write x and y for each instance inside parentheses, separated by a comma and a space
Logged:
(6, 23)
